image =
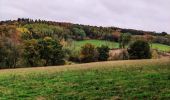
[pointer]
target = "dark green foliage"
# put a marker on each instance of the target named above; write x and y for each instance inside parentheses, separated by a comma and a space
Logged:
(139, 50)
(89, 53)
(51, 52)
(79, 34)
(43, 52)
(103, 53)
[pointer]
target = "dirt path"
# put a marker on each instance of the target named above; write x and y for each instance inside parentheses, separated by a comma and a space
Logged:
(165, 55)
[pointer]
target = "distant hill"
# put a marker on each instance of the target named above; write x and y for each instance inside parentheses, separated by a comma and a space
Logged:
(24, 21)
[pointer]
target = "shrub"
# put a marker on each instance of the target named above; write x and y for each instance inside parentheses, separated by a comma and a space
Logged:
(139, 50)
(75, 56)
(155, 54)
(103, 53)
(89, 53)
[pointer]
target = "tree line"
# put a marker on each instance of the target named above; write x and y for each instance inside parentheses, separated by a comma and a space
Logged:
(32, 43)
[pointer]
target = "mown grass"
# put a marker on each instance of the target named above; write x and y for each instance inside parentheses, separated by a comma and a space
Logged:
(78, 44)
(161, 47)
(139, 79)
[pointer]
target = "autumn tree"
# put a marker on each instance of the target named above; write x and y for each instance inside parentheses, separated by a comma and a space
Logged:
(116, 35)
(89, 53)
(51, 51)
(149, 38)
(43, 52)
(31, 53)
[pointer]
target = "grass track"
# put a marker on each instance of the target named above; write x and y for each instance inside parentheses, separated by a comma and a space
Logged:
(135, 79)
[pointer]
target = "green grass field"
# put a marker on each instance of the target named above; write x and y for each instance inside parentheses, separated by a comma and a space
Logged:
(161, 47)
(78, 44)
(138, 79)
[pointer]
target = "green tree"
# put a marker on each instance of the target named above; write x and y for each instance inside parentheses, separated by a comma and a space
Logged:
(79, 33)
(89, 53)
(103, 53)
(37, 31)
(31, 53)
(124, 39)
(51, 51)
(139, 50)
(9, 53)
(43, 52)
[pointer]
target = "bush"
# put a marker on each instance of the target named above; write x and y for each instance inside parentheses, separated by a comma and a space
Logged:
(139, 50)
(155, 54)
(75, 56)
(103, 53)
(89, 53)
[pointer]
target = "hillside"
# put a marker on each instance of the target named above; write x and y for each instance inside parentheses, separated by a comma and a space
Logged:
(134, 79)
(33, 43)
(24, 21)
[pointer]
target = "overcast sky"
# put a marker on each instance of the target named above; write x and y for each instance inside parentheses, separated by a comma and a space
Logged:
(151, 15)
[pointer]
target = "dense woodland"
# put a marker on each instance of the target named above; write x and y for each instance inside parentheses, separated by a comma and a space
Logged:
(31, 43)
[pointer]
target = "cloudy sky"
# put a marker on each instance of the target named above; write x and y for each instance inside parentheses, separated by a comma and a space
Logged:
(151, 15)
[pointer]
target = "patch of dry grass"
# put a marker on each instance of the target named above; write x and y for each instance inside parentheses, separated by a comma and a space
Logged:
(95, 65)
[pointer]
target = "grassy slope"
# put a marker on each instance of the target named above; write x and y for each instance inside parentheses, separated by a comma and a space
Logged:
(161, 47)
(97, 43)
(139, 79)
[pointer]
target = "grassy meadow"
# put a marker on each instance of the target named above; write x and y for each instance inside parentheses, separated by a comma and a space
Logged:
(133, 79)
(161, 47)
(78, 44)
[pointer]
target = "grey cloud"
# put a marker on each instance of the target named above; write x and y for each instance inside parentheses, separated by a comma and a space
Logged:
(150, 15)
